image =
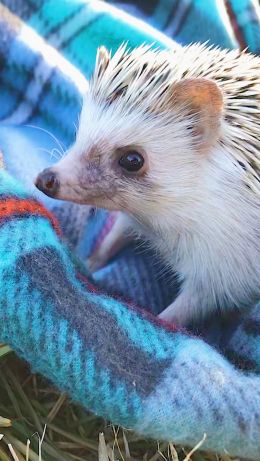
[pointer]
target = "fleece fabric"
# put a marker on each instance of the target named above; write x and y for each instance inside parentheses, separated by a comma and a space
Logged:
(85, 333)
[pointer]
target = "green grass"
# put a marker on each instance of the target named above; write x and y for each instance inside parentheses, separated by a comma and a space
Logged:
(32, 410)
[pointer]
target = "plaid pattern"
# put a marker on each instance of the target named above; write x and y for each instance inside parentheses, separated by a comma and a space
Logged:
(33, 89)
(163, 383)
(244, 17)
(118, 361)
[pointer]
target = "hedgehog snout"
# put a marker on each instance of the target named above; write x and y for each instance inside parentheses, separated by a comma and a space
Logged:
(48, 182)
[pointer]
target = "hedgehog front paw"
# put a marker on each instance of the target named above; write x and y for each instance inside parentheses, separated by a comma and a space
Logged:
(114, 241)
(181, 312)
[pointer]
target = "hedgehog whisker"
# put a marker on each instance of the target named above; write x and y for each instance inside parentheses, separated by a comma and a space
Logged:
(50, 134)
(51, 152)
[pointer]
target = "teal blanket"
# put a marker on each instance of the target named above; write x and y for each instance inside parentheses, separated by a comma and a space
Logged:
(86, 334)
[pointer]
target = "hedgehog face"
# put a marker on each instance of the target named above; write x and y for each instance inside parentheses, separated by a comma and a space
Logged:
(133, 157)
(119, 160)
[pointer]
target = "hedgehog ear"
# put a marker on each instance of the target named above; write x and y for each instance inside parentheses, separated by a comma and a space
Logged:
(203, 100)
(102, 61)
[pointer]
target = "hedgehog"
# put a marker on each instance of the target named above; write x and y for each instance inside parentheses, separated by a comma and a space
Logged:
(169, 139)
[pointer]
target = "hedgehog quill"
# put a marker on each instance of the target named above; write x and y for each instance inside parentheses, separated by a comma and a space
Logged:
(170, 140)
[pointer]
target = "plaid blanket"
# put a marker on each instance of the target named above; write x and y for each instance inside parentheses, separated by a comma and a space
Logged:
(85, 333)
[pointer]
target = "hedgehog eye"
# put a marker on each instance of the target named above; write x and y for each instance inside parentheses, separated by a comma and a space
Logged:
(132, 161)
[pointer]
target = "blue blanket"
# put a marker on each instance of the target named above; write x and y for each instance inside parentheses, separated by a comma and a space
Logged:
(85, 333)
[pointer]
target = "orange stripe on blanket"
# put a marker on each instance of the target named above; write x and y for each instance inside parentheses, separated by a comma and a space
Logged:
(13, 206)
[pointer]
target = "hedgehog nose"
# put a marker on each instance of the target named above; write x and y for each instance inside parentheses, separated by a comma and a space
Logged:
(48, 182)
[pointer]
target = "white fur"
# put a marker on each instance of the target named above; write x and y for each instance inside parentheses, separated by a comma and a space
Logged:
(202, 212)
(202, 220)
